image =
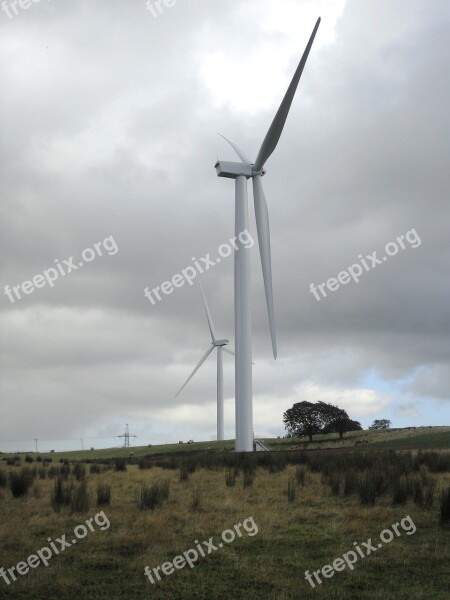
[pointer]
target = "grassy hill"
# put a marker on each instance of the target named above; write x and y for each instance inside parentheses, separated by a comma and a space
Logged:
(406, 438)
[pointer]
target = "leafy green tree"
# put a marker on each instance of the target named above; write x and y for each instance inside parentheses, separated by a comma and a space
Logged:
(337, 420)
(308, 418)
(304, 418)
(380, 424)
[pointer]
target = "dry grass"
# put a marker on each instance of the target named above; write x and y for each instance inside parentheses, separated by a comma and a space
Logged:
(293, 536)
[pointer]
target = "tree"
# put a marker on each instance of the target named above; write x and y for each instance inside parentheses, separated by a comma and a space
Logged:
(336, 420)
(304, 418)
(380, 424)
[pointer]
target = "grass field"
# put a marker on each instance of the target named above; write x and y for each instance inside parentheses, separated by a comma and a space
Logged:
(427, 437)
(294, 534)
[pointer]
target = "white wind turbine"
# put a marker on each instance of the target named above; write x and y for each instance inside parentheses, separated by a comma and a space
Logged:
(220, 346)
(240, 172)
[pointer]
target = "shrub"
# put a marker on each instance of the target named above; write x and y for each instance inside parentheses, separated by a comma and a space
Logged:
(103, 494)
(80, 498)
(151, 496)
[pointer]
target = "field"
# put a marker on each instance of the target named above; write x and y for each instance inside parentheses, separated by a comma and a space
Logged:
(297, 510)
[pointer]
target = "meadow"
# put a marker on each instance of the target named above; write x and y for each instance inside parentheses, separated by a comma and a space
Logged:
(308, 507)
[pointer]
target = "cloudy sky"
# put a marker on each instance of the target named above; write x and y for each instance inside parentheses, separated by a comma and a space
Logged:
(109, 113)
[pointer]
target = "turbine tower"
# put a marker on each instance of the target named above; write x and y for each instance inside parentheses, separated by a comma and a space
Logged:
(241, 172)
(220, 346)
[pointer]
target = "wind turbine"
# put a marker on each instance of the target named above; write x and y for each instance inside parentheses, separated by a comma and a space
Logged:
(220, 346)
(241, 172)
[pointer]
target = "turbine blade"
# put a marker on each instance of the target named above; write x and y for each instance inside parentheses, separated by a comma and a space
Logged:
(202, 360)
(228, 350)
(273, 135)
(262, 226)
(208, 314)
(242, 155)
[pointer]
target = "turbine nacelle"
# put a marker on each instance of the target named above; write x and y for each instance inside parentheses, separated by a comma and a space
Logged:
(232, 170)
(221, 342)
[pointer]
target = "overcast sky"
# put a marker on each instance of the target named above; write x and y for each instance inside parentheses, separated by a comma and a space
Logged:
(109, 117)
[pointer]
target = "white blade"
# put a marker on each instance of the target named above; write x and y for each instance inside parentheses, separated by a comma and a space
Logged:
(231, 352)
(208, 314)
(228, 350)
(262, 226)
(242, 155)
(202, 360)
(273, 135)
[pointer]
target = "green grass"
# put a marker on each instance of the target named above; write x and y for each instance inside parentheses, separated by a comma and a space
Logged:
(425, 441)
(420, 437)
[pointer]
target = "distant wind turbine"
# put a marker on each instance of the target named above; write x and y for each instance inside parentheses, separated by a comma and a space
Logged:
(220, 346)
(241, 172)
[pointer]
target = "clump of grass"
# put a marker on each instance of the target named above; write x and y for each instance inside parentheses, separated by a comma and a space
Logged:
(94, 468)
(144, 464)
(367, 489)
(62, 494)
(80, 498)
(42, 473)
(350, 483)
(248, 478)
(3, 479)
(64, 469)
(429, 484)
(151, 496)
(230, 477)
(53, 472)
(334, 481)
(184, 471)
(196, 498)
(20, 483)
(103, 494)
(29, 459)
(79, 470)
(444, 507)
(300, 475)
(120, 464)
(291, 490)
(400, 491)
